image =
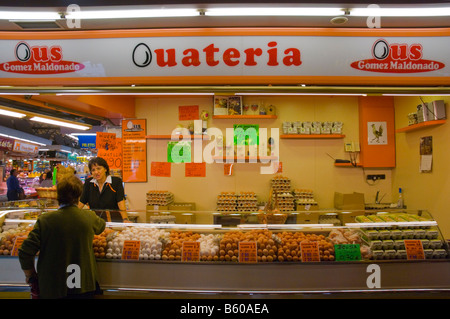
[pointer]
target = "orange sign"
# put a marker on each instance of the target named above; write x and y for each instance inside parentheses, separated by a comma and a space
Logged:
(228, 169)
(190, 251)
(310, 251)
(161, 169)
(134, 146)
(17, 244)
(248, 252)
(195, 169)
(414, 249)
(188, 113)
(131, 249)
(113, 155)
(106, 141)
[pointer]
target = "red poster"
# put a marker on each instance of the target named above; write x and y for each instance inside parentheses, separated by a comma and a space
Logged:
(195, 169)
(161, 169)
(188, 113)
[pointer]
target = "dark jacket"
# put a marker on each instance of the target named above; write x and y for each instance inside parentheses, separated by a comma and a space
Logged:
(14, 188)
(62, 238)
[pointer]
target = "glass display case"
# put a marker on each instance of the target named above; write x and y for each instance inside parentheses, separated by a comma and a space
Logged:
(297, 252)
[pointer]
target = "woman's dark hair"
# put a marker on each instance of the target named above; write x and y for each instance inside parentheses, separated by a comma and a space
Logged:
(100, 162)
(12, 171)
(49, 175)
(69, 190)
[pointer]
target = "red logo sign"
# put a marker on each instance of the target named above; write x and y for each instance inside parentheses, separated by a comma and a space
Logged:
(39, 60)
(397, 58)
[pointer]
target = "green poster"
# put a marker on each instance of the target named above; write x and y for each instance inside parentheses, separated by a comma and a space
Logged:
(179, 152)
(347, 252)
(246, 134)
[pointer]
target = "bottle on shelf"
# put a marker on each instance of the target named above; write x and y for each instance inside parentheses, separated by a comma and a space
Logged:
(400, 199)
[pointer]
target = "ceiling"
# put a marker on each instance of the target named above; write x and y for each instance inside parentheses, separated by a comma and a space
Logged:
(70, 107)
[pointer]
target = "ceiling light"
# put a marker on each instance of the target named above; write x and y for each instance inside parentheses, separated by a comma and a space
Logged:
(29, 15)
(61, 123)
(22, 139)
(274, 11)
(400, 12)
(12, 113)
(117, 14)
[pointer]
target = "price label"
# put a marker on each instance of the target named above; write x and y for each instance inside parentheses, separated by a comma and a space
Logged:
(17, 244)
(347, 252)
(248, 252)
(131, 249)
(310, 251)
(414, 249)
(190, 251)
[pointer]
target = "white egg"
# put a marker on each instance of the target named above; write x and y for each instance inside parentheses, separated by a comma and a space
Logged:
(109, 255)
(145, 256)
(117, 250)
(158, 256)
(109, 251)
(151, 257)
(114, 255)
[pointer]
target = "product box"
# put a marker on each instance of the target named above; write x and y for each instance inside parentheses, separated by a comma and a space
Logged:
(354, 201)
(307, 218)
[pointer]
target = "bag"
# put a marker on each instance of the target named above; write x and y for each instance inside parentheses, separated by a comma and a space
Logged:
(22, 194)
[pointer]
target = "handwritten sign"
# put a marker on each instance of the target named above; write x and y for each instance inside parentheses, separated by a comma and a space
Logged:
(195, 169)
(161, 169)
(17, 244)
(190, 251)
(414, 249)
(347, 252)
(113, 155)
(248, 252)
(188, 113)
(106, 141)
(131, 249)
(310, 251)
(134, 148)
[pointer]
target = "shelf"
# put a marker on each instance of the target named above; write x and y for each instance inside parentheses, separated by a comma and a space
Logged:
(312, 136)
(246, 158)
(419, 126)
(244, 117)
(169, 137)
(347, 165)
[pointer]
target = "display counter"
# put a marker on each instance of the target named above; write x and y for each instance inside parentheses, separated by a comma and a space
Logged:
(400, 252)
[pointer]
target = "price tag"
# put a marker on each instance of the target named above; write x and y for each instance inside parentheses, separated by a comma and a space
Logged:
(347, 252)
(161, 169)
(190, 251)
(310, 251)
(248, 252)
(228, 169)
(131, 249)
(414, 249)
(17, 244)
(188, 113)
(195, 169)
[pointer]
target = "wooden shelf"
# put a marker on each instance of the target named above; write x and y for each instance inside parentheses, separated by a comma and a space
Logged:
(419, 126)
(244, 117)
(347, 165)
(169, 137)
(312, 136)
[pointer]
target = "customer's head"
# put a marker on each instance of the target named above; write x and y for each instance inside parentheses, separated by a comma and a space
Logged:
(69, 190)
(13, 172)
(49, 175)
(98, 162)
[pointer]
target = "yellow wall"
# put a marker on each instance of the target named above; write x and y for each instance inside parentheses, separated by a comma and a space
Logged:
(429, 191)
(305, 162)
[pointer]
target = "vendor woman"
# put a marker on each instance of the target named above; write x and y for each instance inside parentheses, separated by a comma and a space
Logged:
(103, 191)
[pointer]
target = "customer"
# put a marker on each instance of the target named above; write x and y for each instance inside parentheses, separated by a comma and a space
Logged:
(14, 191)
(103, 191)
(48, 181)
(63, 238)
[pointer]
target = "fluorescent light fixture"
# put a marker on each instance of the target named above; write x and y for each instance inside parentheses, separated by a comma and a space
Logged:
(137, 93)
(274, 11)
(286, 94)
(29, 15)
(22, 139)
(12, 113)
(400, 12)
(60, 123)
(141, 13)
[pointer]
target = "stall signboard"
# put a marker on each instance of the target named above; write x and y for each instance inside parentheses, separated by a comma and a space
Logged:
(6, 144)
(231, 56)
(134, 148)
(87, 141)
(24, 147)
(113, 155)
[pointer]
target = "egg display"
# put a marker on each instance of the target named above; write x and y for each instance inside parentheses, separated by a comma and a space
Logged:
(289, 247)
(174, 244)
(209, 247)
